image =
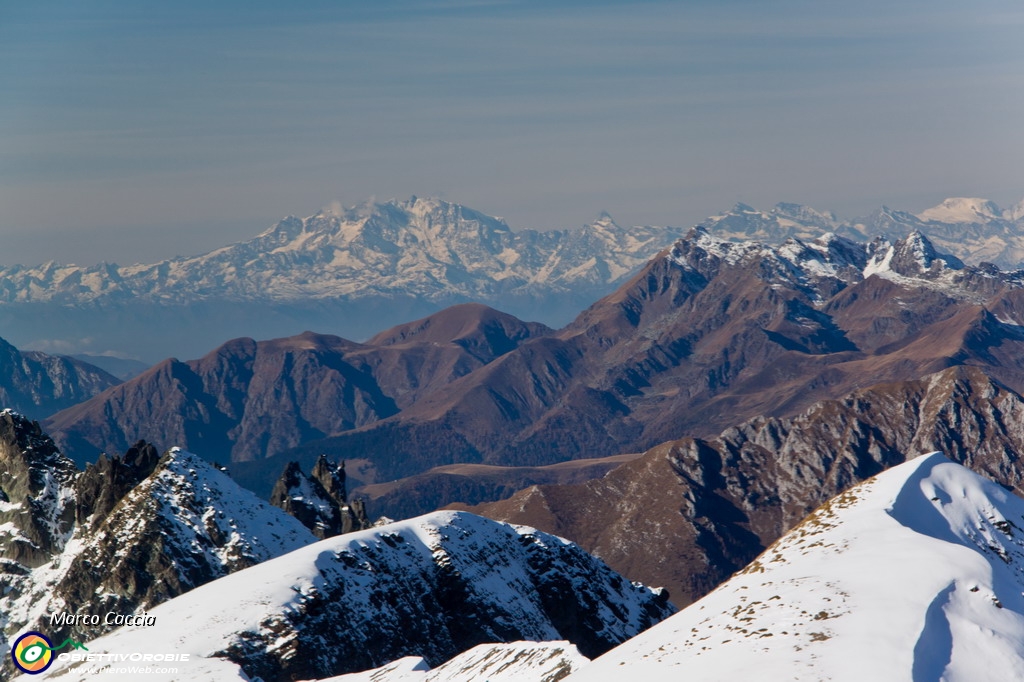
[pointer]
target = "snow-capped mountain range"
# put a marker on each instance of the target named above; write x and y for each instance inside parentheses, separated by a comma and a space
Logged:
(351, 273)
(355, 271)
(975, 230)
(434, 249)
(420, 247)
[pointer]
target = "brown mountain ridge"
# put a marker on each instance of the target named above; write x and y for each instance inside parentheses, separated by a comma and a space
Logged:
(708, 334)
(688, 513)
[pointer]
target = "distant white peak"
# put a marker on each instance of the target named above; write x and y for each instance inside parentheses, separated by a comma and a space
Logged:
(962, 210)
(1015, 212)
(804, 214)
(737, 210)
(422, 205)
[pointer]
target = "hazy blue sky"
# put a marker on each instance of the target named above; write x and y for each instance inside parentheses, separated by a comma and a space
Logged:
(133, 132)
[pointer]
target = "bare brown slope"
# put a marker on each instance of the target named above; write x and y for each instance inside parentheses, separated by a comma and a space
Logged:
(247, 400)
(705, 335)
(695, 342)
(690, 512)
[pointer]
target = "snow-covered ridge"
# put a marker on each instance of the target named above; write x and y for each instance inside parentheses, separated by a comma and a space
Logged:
(511, 662)
(424, 587)
(916, 574)
(818, 264)
(972, 229)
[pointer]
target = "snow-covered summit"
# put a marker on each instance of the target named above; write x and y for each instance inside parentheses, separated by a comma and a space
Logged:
(419, 247)
(917, 574)
(825, 264)
(963, 210)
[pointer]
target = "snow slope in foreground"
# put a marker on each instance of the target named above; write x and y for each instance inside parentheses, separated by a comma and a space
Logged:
(914, 575)
(513, 662)
(433, 586)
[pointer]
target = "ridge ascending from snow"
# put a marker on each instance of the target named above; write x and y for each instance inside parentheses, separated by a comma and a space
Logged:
(916, 574)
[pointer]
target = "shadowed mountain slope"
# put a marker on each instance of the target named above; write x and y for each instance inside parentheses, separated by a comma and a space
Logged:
(690, 512)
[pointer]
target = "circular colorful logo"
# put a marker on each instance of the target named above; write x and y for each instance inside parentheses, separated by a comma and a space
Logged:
(32, 653)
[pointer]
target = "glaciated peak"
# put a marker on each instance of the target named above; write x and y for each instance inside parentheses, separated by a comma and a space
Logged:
(962, 210)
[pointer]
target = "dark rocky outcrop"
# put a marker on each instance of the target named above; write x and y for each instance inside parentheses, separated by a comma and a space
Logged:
(320, 502)
(129, 533)
(36, 498)
(103, 484)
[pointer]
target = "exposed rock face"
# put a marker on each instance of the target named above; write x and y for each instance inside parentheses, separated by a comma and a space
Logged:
(38, 384)
(713, 505)
(37, 511)
(103, 484)
(431, 587)
(125, 535)
(320, 502)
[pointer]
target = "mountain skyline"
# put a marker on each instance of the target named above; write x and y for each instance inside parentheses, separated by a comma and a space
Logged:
(353, 271)
(134, 135)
